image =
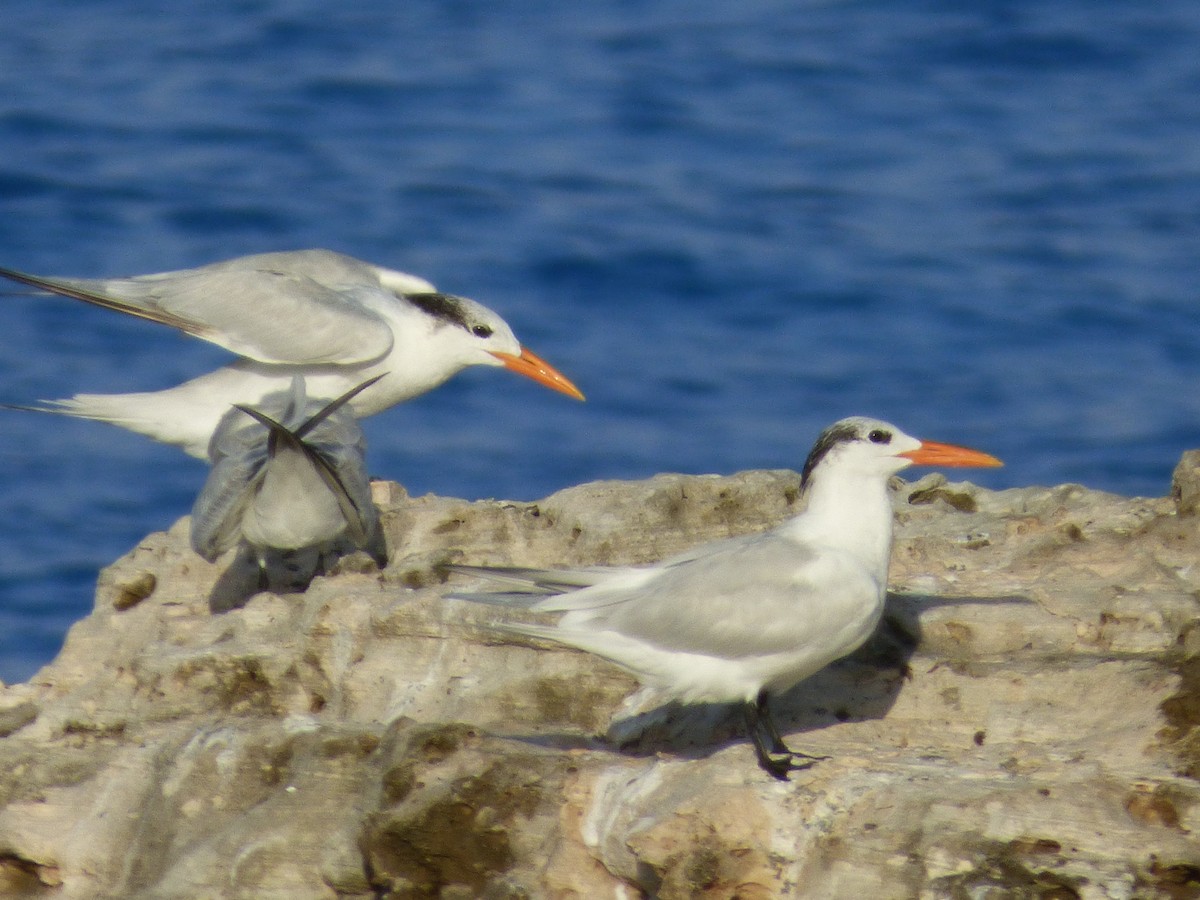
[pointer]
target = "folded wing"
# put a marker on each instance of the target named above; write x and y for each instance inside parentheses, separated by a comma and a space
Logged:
(304, 308)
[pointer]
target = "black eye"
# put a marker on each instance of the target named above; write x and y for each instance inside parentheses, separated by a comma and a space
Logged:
(879, 436)
(481, 331)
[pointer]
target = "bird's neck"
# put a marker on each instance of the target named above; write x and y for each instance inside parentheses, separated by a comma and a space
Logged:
(852, 515)
(425, 353)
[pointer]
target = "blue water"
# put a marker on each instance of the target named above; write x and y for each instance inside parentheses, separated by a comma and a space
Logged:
(730, 223)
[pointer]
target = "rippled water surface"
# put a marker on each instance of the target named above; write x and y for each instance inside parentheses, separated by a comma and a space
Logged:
(731, 224)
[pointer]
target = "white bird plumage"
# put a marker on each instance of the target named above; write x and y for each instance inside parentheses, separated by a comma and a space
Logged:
(745, 618)
(336, 320)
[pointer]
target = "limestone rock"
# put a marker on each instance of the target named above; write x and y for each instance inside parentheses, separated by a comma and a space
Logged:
(1185, 483)
(1026, 723)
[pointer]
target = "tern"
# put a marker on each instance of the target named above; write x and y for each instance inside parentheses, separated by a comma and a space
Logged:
(746, 618)
(289, 476)
(336, 320)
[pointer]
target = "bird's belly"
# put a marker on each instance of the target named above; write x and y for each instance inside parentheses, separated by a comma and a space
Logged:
(187, 415)
(293, 509)
(786, 670)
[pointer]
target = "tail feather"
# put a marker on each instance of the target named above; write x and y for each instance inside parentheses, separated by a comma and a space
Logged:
(111, 408)
(511, 599)
(143, 414)
(541, 632)
(86, 406)
(545, 582)
(47, 407)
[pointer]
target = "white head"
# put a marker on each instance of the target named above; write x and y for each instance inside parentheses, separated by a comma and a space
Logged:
(868, 448)
(470, 334)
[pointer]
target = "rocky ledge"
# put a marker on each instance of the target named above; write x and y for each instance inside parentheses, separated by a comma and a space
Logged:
(1024, 724)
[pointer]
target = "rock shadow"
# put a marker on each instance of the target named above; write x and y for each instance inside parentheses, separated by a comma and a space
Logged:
(859, 687)
(289, 571)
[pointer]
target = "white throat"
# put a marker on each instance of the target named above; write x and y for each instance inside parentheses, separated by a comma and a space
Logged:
(848, 513)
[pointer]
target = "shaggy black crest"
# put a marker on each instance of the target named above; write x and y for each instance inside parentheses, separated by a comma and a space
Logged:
(444, 307)
(830, 438)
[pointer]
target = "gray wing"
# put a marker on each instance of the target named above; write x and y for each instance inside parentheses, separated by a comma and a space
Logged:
(337, 447)
(218, 511)
(300, 308)
(758, 596)
(238, 453)
(539, 582)
(345, 472)
(536, 586)
(529, 586)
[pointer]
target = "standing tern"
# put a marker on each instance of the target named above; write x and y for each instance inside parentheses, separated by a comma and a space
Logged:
(288, 476)
(743, 619)
(334, 319)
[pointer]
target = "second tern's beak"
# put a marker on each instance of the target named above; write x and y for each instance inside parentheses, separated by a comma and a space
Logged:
(532, 366)
(931, 453)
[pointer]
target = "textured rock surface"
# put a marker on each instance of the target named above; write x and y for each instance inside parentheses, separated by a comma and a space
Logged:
(1025, 724)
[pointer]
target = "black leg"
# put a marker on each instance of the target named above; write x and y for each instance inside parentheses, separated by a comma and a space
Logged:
(777, 759)
(763, 709)
(775, 766)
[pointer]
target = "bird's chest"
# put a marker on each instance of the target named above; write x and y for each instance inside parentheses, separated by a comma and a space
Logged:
(843, 592)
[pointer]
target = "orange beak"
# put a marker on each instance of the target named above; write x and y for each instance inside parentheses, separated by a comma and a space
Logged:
(931, 453)
(532, 366)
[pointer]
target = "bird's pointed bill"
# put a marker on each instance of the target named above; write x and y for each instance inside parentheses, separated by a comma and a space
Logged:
(931, 453)
(533, 366)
